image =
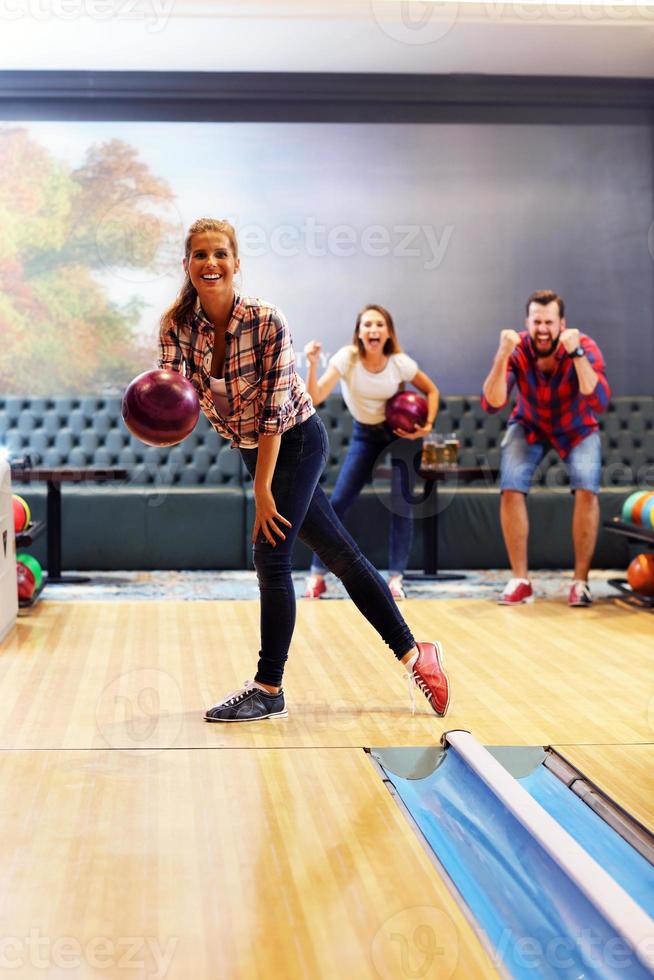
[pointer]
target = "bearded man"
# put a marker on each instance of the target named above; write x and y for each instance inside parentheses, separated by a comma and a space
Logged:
(561, 386)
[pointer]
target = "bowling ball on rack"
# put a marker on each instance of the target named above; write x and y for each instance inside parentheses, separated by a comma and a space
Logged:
(160, 408)
(26, 582)
(34, 566)
(629, 504)
(647, 513)
(406, 410)
(22, 514)
(640, 574)
(638, 510)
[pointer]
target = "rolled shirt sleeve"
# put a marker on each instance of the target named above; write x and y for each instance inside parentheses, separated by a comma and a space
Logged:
(171, 357)
(598, 399)
(277, 377)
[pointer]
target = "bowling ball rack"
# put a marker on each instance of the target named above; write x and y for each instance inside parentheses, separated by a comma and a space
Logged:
(633, 533)
(25, 539)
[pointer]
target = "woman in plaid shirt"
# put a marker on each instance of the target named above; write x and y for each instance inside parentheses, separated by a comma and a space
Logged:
(237, 353)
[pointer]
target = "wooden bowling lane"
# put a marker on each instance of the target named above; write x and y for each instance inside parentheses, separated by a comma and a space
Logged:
(139, 675)
(624, 772)
(220, 863)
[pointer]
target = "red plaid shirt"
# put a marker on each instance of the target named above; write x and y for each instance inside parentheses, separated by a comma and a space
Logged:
(550, 407)
(265, 394)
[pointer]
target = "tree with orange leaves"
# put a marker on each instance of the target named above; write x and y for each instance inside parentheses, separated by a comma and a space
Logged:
(63, 230)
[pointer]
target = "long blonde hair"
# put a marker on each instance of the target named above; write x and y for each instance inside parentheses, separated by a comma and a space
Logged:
(179, 311)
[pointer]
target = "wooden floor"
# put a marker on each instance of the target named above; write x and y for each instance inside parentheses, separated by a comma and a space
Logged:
(274, 849)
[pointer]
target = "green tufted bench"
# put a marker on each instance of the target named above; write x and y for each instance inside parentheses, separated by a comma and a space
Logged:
(181, 507)
(191, 506)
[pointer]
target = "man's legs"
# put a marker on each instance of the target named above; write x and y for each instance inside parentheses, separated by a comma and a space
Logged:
(585, 524)
(584, 463)
(518, 462)
(515, 528)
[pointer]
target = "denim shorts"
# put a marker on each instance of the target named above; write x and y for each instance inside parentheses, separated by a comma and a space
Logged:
(520, 459)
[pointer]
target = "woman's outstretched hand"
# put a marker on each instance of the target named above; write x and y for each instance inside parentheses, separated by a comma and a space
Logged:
(267, 517)
(312, 351)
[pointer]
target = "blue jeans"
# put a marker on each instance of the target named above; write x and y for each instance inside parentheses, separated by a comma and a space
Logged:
(520, 458)
(301, 501)
(369, 442)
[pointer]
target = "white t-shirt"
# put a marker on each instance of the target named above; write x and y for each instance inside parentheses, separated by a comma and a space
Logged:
(219, 392)
(366, 393)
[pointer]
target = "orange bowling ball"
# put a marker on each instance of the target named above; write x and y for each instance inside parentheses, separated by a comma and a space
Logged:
(640, 574)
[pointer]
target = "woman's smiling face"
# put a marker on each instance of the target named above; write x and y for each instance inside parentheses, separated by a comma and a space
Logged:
(211, 265)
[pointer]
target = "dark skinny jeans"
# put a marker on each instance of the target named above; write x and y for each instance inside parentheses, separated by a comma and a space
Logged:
(299, 498)
(369, 443)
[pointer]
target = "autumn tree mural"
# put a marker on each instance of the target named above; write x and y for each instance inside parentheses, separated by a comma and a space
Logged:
(62, 232)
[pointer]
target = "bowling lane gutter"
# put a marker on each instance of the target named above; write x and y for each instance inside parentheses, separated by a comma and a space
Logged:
(614, 904)
(510, 888)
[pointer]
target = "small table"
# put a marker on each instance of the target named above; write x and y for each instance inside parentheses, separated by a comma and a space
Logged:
(54, 477)
(442, 474)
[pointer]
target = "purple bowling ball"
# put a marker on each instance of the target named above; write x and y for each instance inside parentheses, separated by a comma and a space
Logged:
(160, 408)
(406, 410)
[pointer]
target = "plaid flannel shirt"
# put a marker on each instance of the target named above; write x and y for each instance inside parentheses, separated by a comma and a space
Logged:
(550, 407)
(265, 394)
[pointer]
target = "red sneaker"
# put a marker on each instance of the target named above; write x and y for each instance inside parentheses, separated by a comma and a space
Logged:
(580, 594)
(315, 587)
(517, 592)
(429, 676)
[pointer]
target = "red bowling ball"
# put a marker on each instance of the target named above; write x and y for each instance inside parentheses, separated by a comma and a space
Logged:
(406, 410)
(160, 408)
(26, 582)
(22, 515)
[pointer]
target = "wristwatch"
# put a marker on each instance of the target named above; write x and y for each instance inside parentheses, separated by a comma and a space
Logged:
(577, 352)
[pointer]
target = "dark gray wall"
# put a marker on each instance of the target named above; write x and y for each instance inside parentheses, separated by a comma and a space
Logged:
(525, 184)
(512, 208)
